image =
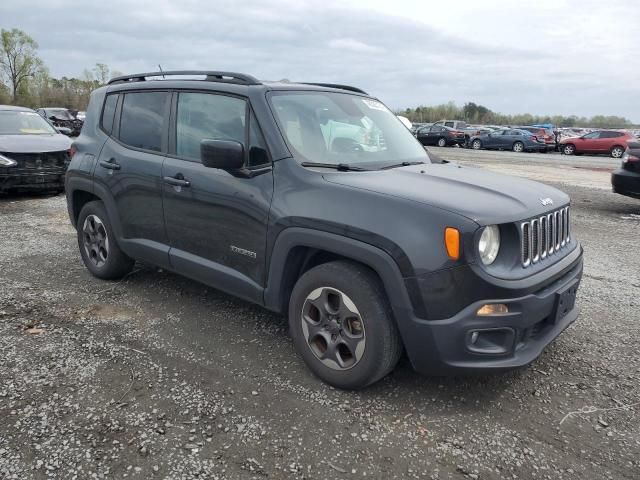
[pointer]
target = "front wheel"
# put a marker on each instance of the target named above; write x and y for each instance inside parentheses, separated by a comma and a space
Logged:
(568, 149)
(476, 145)
(100, 252)
(518, 147)
(342, 326)
(442, 142)
(617, 152)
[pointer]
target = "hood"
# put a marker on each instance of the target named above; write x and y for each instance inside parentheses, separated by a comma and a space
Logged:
(34, 143)
(480, 195)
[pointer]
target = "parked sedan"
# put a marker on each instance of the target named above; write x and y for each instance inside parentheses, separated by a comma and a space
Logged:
(33, 155)
(601, 141)
(626, 180)
(509, 139)
(441, 136)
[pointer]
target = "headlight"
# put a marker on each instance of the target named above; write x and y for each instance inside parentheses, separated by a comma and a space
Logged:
(489, 244)
(7, 162)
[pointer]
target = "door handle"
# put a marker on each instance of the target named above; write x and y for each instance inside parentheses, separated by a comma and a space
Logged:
(177, 181)
(110, 164)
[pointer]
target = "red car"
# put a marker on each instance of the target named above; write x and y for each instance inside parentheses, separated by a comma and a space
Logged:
(601, 141)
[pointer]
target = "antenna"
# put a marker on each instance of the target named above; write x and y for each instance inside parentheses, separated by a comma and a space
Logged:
(160, 68)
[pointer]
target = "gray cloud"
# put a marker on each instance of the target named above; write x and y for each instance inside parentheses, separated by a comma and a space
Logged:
(537, 67)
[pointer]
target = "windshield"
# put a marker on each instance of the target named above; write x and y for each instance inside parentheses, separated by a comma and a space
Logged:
(59, 113)
(339, 128)
(23, 123)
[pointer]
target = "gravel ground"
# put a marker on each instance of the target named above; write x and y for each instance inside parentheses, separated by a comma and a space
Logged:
(157, 376)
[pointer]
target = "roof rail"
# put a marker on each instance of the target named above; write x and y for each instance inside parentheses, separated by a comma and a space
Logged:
(210, 76)
(337, 85)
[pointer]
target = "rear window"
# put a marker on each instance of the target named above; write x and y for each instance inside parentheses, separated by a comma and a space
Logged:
(142, 120)
(108, 112)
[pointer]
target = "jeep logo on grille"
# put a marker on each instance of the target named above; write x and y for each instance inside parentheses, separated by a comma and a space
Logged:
(546, 201)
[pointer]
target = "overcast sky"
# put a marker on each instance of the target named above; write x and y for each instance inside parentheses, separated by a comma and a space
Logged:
(548, 56)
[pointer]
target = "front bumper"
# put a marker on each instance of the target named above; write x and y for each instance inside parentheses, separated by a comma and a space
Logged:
(626, 183)
(502, 342)
(37, 180)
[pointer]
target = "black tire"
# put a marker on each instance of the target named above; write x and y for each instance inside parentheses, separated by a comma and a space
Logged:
(382, 346)
(476, 144)
(518, 147)
(617, 151)
(108, 263)
(442, 142)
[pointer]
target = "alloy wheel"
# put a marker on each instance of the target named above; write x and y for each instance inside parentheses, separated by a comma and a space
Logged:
(476, 145)
(442, 142)
(518, 147)
(333, 328)
(617, 152)
(95, 240)
(569, 149)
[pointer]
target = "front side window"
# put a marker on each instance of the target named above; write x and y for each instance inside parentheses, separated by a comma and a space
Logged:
(329, 127)
(142, 119)
(15, 122)
(208, 116)
(592, 135)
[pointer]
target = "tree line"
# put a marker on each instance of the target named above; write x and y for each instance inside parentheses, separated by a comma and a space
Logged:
(25, 79)
(479, 114)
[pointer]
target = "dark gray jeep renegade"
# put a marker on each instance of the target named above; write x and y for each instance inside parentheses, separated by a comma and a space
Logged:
(315, 201)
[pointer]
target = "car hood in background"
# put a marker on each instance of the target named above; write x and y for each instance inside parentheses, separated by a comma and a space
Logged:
(34, 143)
(480, 195)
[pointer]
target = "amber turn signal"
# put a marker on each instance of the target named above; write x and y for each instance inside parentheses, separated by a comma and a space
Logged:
(492, 309)
(452, 242)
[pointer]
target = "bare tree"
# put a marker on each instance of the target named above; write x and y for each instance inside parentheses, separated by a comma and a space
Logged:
(18, 58)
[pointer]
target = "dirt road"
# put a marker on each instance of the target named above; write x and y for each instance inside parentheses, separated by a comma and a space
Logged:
(157, 376)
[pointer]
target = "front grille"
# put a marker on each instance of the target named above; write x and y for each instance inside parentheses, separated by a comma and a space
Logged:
(39, 160)
(543, 236)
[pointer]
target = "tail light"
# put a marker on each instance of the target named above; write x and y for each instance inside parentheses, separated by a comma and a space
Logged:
(72, 150)
(534, 138)
(627, 157)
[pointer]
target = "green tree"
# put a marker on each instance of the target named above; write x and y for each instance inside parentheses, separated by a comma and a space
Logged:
(18, 59)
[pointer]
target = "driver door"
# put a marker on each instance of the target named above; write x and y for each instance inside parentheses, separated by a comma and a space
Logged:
(216, 222)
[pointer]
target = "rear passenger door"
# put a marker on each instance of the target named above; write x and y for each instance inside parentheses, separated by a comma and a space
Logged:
(217, 222)
(128, 174)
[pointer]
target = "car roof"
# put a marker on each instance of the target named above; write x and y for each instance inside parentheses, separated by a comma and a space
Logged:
(221, 81)
(15, 108)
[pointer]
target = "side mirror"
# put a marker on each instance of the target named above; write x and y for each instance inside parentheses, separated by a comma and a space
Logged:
(223, 154)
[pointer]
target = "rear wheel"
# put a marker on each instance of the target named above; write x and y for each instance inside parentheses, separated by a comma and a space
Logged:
(518, 147)
(442, 142)
(98, 248)
(569, 149)
(476, 144)
(342, 326)
(617, 151)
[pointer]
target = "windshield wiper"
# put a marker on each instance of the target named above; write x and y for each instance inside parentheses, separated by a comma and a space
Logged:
(342, 167)
(403, 164)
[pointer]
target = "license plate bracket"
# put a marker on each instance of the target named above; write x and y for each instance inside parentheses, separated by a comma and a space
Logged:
(566, 300)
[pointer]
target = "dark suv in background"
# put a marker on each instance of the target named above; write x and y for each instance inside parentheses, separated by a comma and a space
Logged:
(314, 200)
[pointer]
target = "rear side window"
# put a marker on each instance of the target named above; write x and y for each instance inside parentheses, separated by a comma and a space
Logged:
(448, 124)
(108, 112)
(208, 116)
(142, 119)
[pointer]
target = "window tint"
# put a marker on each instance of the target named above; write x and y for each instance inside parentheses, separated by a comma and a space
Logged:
(448, 124)
(257, 146)
(107, 113)
(142, 119)
(203, 115)
(611, 134)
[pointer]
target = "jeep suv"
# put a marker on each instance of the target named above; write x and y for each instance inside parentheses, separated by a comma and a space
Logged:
(313, 200)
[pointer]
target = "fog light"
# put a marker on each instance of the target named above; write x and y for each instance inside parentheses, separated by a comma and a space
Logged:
(474, 338)
(492, 309)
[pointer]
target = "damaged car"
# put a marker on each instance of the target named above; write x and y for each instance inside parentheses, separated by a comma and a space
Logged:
(62, 118)
(33, 154)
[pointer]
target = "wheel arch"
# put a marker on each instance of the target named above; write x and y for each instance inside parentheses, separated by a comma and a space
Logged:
(297, 250)
(617, 145)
